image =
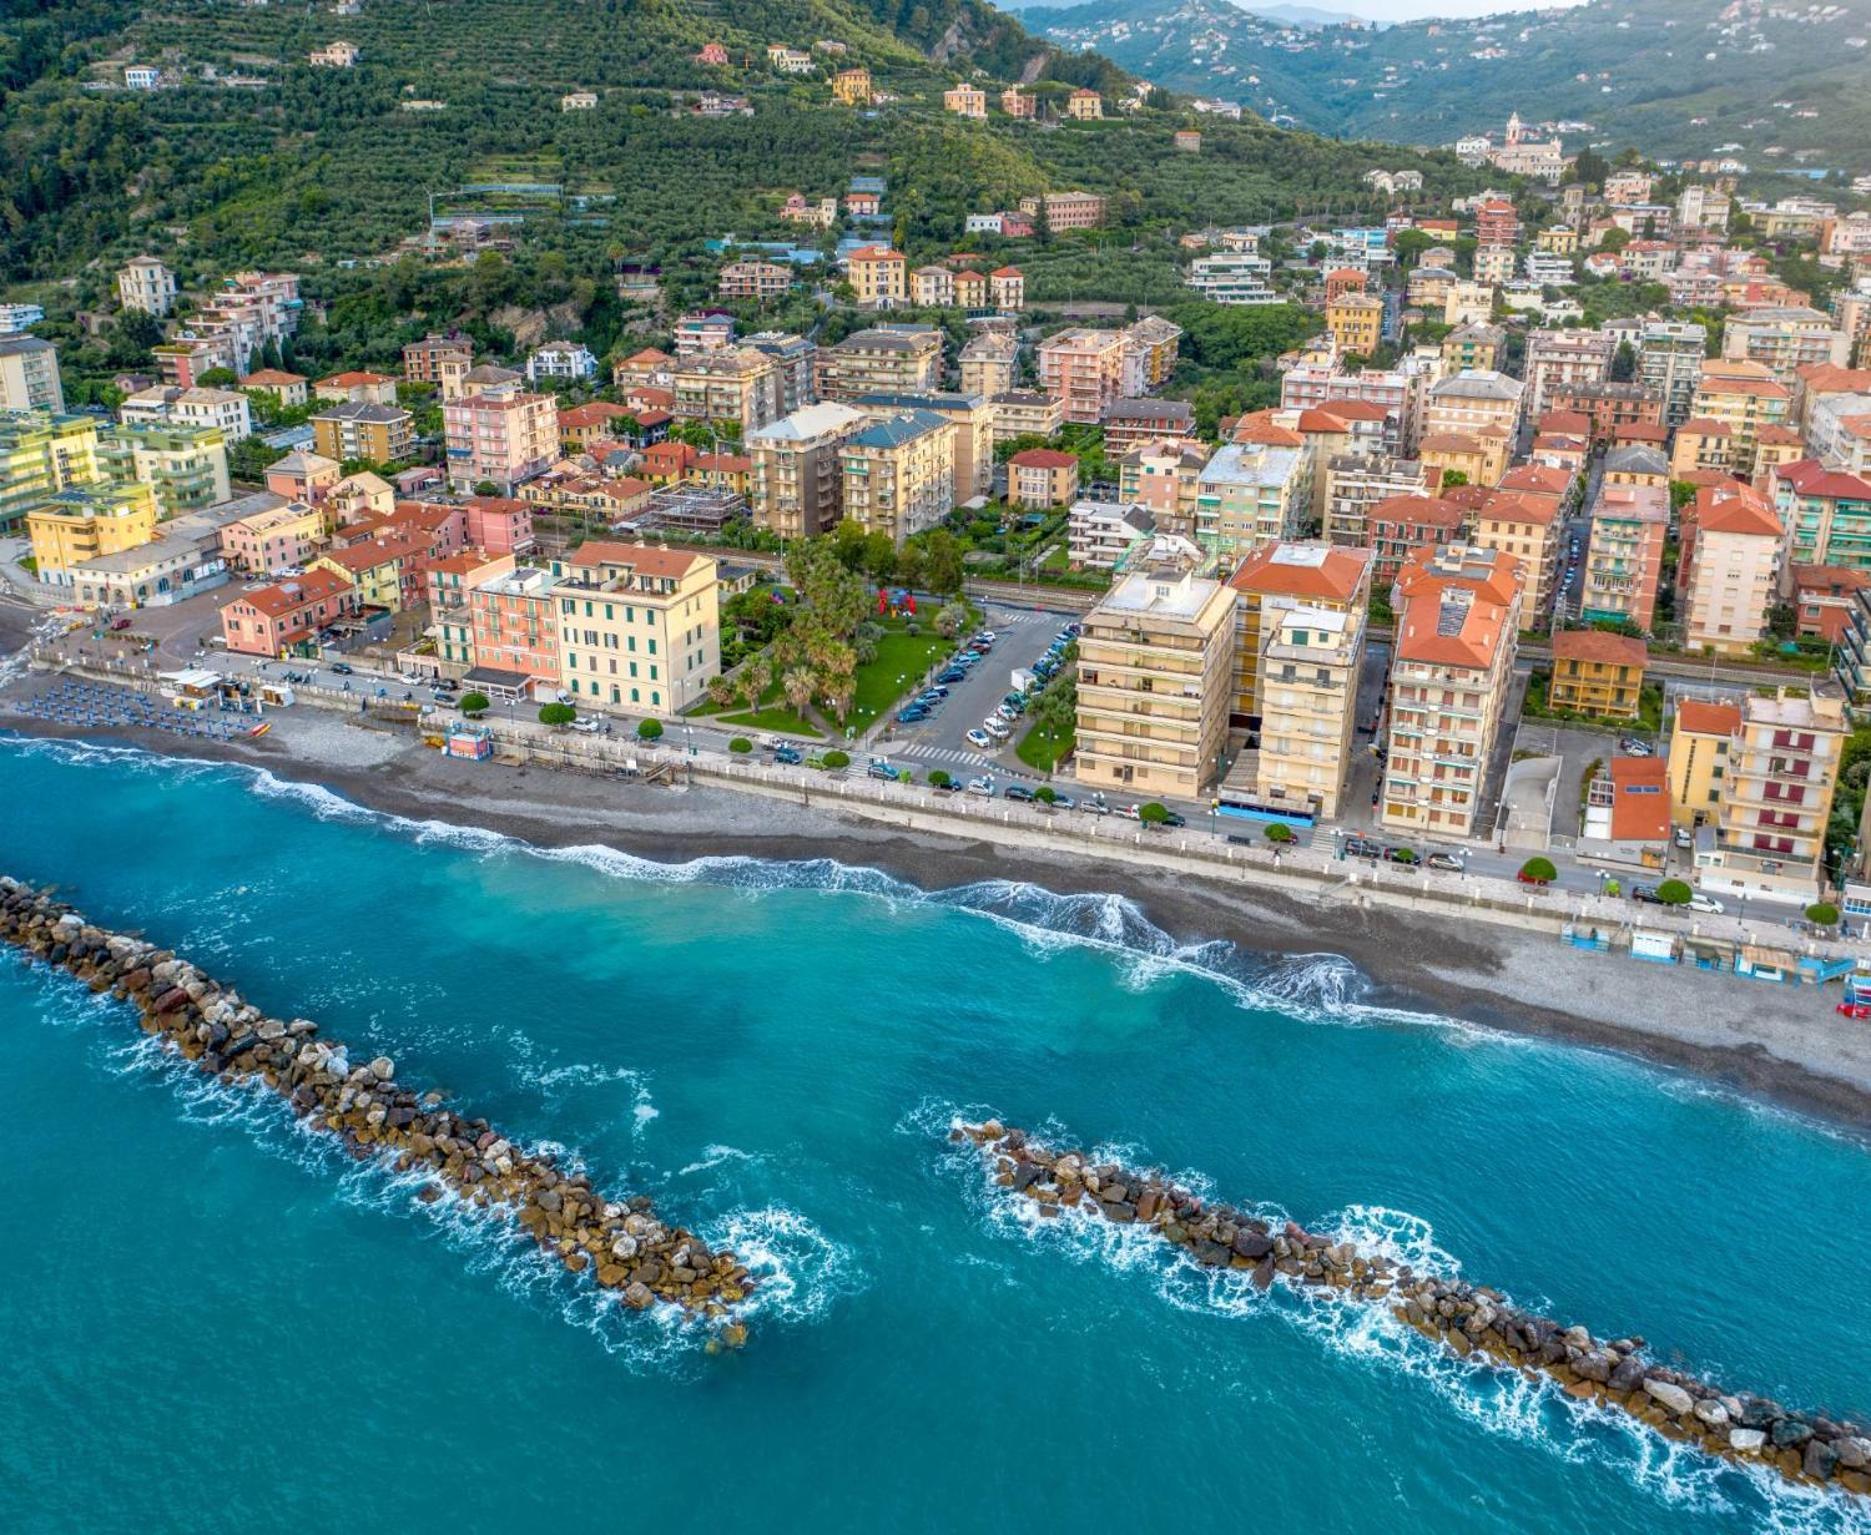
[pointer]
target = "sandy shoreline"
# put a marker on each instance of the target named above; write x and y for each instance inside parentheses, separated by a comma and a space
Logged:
(1783, 1044)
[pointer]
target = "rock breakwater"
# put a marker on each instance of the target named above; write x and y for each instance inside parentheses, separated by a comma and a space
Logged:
(621, 1244)
(1469, 1320)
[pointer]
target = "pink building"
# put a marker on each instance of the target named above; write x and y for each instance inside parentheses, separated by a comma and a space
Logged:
(500, 525)
(1084, 368)
(454, 576)
(501, 436)
(274, 619)
(515, 632)
(286, 537)
(307, 477)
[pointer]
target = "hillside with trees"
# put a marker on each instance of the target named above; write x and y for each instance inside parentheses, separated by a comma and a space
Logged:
(1790, 86)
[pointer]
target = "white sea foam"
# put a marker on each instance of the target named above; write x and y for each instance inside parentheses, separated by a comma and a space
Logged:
(800, 1271)
(1365, 1334)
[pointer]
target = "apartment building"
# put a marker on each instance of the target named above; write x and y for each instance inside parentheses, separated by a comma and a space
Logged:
(1624, 559)
(185, 467)
(1249, 494)
(1085, 369)
(500, 435)
(965, 100)
(29, 376)
(1743, 396)
(883, 359)
(735, 386)
(1474, 402)
(1356, 482)
(973, 419)
(513, 624)
(1151, 347)
(220, 410)
(1826, 514)
(1561, 359)
(1463, 458)
(798, 468)
(1729, 567)
(1398, 395)
(795, 366)
(1612, 410)
(1132, 423)
(1274, 580)
(277, 620)
(639, 628)
(441, 359)
(1458, 619)
(1701, 736)
(1301, 757)
(1163, 477)
(1042, 478)
(1155, 659)
(288, 389)
(1026, 413)
(1399, 527)
(1066, 210)
(284, 535)
(1785, 339)
(1356, 323)
(879, 276)
(703, 331)
(1598, 673)
(899, 474)
(1670, 354)
(40, 454)
(378, 434)
(1776, 797)
(1102, 535)
(1528, 528)
(1233, 277)
(147, 286)
(1474, 346)
(989, 363)
(83, 522)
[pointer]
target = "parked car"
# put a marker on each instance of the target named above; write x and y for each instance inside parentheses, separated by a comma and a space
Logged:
(1173, 820)
(1646, 894)
(996, 728)
(882, 767)
(788, 756)
(343, 668)
(1129, 812)
(1018, 791)
(933, 695)
(589, 725)
(1683, 837)
(952, 675)
(1632, 747)
(1007, 712)
(1363, 847)
(1063, 802)
(1447, 862)
(913, 715)
(982, 785)
(442, 698)
(1095, 805)
(447, 684)
(1529, 879)
(980, 740)
(1706, 903)
(1400, 855)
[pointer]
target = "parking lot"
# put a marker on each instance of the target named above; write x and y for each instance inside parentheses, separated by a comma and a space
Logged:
(940, 741)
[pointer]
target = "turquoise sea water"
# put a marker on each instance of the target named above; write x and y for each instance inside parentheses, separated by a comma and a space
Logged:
(210, 1322)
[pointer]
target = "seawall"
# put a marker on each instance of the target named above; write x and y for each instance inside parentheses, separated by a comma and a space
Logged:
(1466, 1319)
(620, 1243)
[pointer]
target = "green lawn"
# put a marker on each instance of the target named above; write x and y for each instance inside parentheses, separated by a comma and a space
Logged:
(780, 718)
(1042, 746)
(899, 655)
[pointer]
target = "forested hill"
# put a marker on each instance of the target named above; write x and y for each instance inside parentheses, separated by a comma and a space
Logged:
(1677, 78)
(314, 168)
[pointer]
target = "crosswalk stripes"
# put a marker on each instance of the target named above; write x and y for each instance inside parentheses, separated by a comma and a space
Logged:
(931, 753)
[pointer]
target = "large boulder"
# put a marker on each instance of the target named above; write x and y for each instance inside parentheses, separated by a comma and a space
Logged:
(1670, 1396)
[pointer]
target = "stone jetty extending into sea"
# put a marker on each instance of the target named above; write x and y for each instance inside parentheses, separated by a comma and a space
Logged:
(1467, 1319)
(620, 1243)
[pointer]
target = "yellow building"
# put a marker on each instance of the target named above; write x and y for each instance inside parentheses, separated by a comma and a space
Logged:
(42, 453)
(1598, 673)
(85, 521)
(899, 474)
(1558, 240)
(1464, 458)
(1744, 396)
(1472, 346)
(639, 627)
(1356, 321)
(1309, 687)
(852, 87)
(1700, 741)
(1274, 579)
(1086, 106)
(1154, 667)
(733, 384)
(385, 572)
(1528, 527)
(879, 276)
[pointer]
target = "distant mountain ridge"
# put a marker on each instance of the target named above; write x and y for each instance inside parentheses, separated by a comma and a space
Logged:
(1680, 78)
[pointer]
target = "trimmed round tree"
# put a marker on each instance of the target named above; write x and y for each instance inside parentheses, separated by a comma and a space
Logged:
(1539, 871)
(649, 730)
(1046, 794)
(1823, 914)
(837, 759)
(1279, 831)
(475, 703)
(740, 746)
(557, 715)
(1156, 812)
(1675, 892)
(940, 778)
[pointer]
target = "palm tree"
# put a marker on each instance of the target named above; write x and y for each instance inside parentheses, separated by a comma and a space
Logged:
(798, 684)
(721, 692)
